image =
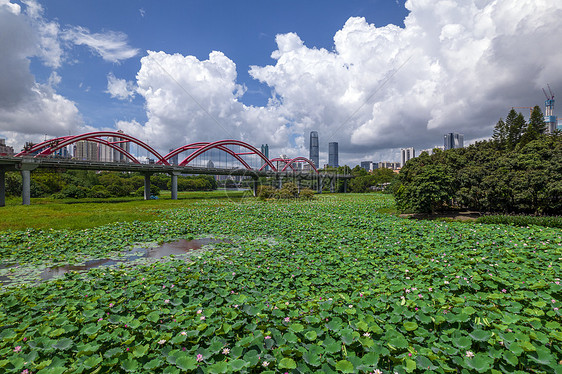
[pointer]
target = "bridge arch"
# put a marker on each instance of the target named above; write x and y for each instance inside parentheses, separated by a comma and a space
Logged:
(290, 161)
(48, 147)
(221, 145)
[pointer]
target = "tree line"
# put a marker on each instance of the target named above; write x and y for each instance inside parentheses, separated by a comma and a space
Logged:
(83, 183)
(518, 171)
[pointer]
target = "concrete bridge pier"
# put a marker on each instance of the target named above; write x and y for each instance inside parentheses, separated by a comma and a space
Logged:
(319, 185)
(332, 184)
(255, 187)
(174, 186)
(25, 170)
(2, 187)
(345, 186)
(147, 186)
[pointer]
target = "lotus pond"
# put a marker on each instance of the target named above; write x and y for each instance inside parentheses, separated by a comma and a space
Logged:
(329, 286)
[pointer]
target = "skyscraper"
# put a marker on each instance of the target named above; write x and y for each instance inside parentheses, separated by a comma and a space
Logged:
(314, 150)
(333, 154)
(407, 153)
(453, 140)
(265, 151)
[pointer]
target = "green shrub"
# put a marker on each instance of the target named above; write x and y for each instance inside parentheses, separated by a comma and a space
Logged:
(71, 191)
(98, 192)
(154, 191)
(266, 192)
(306, 194)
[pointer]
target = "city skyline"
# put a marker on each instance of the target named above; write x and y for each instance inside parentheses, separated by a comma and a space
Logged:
(361, 73)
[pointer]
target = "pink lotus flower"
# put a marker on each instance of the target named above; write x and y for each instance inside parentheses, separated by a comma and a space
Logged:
(199, 357)
(17, 349)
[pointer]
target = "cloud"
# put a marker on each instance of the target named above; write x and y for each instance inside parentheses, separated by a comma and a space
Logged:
(111, 46)
(48, 46)
(120, 88)
(190, 100)
(29, 109)
(26, 106)
(453, 67)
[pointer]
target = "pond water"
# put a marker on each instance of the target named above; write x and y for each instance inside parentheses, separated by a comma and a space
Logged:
(180, 247)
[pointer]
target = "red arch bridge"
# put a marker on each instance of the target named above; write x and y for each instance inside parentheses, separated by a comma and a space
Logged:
(116, 146)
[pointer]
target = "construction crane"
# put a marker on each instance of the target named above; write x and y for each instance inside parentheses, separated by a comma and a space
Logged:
(549, 117)
(524, 107)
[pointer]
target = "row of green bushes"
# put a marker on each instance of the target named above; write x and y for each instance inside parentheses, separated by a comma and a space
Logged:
(82, 183)
(287, 191)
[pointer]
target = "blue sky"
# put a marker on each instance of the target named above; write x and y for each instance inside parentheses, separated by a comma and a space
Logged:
(374, 75)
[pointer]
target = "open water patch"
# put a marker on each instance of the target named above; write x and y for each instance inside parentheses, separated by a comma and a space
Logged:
(14, 274)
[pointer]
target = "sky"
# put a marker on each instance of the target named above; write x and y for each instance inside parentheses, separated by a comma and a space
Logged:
(373, 75)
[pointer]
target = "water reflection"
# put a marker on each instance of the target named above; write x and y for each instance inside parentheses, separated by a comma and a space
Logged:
(180, 247)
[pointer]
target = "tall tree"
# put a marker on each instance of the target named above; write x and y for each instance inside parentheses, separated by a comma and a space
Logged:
(500, 133)
(515, 124)
(535, 127)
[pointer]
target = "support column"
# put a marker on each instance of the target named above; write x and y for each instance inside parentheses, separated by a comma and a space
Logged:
(147, 186)
(319, 183)
(26, 187)
(25, 168)
(2, 187)
(255, 187)
(345, 185)
(299, 185)
(332, 184)
(280, 182)
(174, 186)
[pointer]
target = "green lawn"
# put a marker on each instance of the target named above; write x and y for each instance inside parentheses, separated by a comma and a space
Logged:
(46, 213)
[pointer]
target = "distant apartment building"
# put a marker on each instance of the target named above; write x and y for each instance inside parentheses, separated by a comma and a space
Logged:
(453, 140)
(86, 151)
(407, 154)
(174, 160)
(367, 165)
(93, 151)
(388, 165)
(5, 150)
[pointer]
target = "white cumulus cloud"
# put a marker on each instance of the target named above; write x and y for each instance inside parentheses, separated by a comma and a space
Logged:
(190, 100)
(28, 107)
(455, 66)
(120, 88)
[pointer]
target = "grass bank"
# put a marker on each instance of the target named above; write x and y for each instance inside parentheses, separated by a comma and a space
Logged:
(46, 213)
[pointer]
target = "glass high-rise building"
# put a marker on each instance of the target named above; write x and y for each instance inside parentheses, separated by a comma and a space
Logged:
(333, 154)
(453, 140)
(314, 149)
(265, 152)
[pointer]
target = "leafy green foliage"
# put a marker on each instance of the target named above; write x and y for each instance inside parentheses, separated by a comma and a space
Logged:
(329, 285)
(487, 178)
(78, 184)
